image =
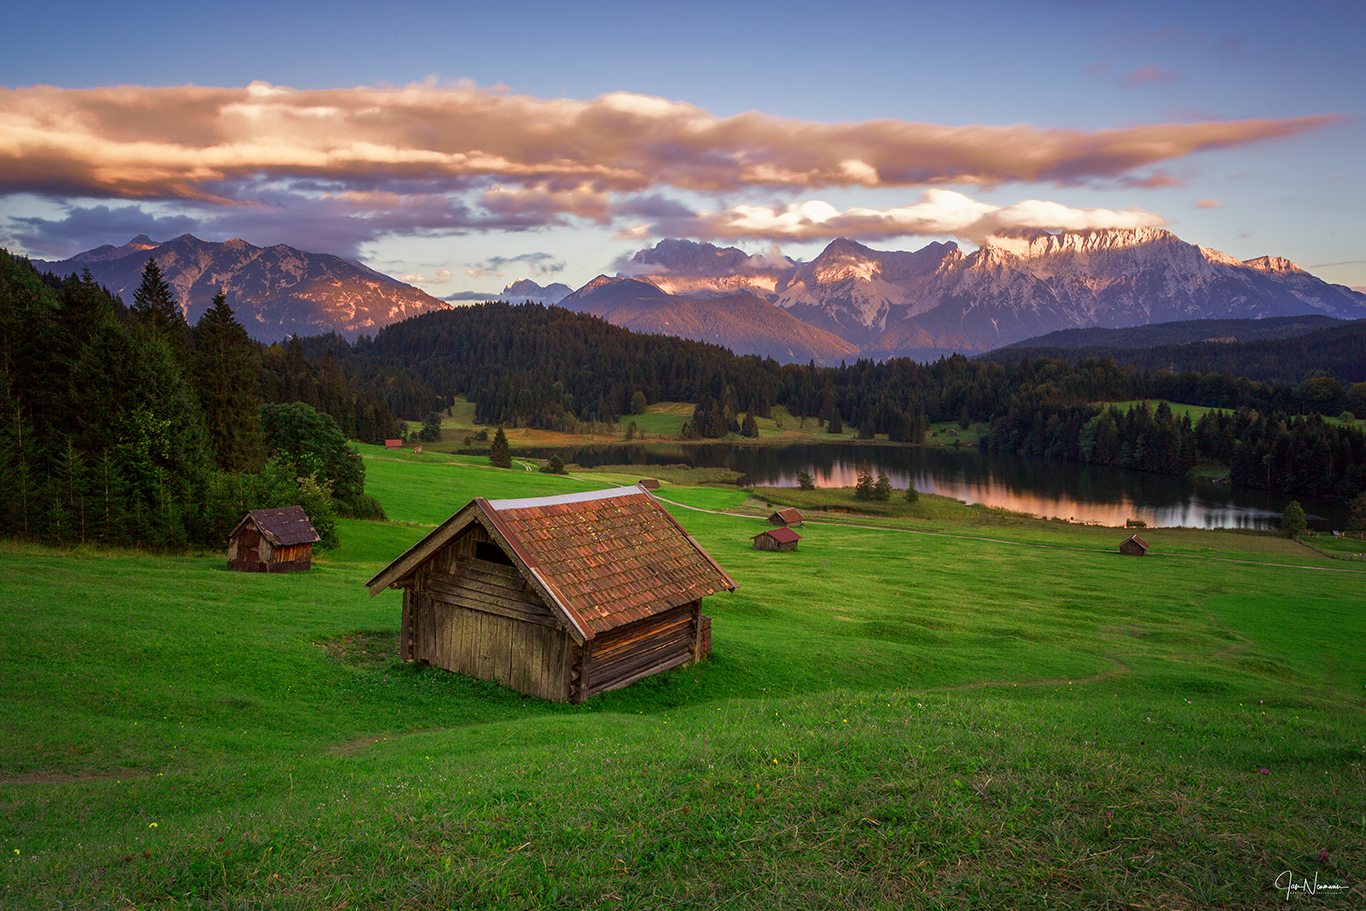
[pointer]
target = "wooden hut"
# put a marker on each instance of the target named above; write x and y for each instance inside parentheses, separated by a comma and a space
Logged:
(393, 444)
(786, 516)
(777, 539)
(272, 541)
(561, 597)
(650, 483)
(1133, 546)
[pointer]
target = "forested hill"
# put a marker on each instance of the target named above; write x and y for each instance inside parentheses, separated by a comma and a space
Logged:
(1338, 351)
(547, 367)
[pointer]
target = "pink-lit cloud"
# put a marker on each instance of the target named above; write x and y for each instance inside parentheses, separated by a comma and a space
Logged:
(200, 143)
(937, 212)
(1208, 204)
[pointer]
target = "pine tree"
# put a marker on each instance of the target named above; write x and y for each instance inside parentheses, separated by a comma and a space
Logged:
(863, 488)
(226, 375)
(912, 495)
(882, 490)
(499, 455)
(156, 310)
(750, 428)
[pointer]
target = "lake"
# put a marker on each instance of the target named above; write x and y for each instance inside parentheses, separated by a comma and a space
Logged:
(1063, 490)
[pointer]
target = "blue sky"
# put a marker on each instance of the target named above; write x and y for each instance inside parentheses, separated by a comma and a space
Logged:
(1060, 78)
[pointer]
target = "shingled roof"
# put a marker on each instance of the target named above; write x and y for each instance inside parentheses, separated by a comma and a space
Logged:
(782, 535)
(604, 558)
(282, 527)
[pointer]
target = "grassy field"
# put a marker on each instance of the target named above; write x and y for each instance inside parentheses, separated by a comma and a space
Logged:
(664, 421)
(949, 710)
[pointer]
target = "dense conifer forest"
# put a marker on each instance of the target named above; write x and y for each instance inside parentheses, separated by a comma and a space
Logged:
(127, 427)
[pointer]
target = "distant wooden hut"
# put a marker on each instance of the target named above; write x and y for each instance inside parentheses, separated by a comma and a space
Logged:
(786, 516)
(561, 597)
(272, 541)
(649, 483)
(777, 539)
(1133, 546)
(393, 444)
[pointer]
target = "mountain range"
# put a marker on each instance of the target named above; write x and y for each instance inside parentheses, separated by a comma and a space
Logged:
(275, 291)
(850, 301)
(939, 299)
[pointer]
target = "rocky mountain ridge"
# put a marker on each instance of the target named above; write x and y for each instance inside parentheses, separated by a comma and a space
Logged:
(275, 291)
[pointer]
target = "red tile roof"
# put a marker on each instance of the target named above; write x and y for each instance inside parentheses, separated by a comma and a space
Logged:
(782, 535)
(788, 516)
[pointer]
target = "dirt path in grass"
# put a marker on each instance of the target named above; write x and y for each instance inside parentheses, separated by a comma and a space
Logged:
(1034, 544)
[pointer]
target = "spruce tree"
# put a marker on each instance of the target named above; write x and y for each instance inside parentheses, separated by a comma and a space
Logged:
(156, 310)
(499, 455)
(863, 488)
(882, 490)
(226, 375)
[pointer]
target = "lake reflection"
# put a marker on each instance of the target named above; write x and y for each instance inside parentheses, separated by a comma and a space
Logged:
(1064, 490)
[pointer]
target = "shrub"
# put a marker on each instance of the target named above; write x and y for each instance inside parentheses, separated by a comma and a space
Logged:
(805, 481)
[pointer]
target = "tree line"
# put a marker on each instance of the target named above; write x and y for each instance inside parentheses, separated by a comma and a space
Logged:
(528, 365)
(125, 426)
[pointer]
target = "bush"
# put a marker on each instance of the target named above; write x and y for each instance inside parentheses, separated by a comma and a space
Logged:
(882, 490)
(805, 481)
(555, 465)
(361, 506)
(912, 495)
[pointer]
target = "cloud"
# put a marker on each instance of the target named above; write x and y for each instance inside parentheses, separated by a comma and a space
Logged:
(533, 263)
(1150, 74)
(208, 144)
(472, 296)
(324, 219)
(1208, 204)
(84, 227)
(439, 277)
(938, 212)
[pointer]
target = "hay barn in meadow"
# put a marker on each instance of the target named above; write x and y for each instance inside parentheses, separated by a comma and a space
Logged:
(562, 597)
(786, 516)
(1133, 546)
(272, 541)
(783, 539)
(649, 483)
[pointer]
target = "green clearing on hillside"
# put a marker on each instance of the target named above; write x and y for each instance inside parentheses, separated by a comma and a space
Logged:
(1196, 412)
(891, 719)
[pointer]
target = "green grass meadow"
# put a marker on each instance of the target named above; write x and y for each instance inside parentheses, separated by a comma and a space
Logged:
(932, 709)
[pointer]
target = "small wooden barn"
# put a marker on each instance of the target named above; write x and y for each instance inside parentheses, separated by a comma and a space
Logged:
(650, 483)
(777, 539)
(393, 444)
(786, 516)
(1133, 546)
(561, 597)
(272, 541)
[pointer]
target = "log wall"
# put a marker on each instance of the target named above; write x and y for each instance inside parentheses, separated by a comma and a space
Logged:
(621, 657)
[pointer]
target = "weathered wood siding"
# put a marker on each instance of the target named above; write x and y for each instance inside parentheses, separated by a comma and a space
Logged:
(767, 542)
(628, 653)
(250, 551)
(478, 617)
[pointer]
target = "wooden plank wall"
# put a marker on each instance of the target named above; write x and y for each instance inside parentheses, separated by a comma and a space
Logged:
(650, 646)
(480, 618)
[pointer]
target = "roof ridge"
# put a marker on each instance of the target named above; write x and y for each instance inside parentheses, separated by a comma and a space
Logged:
(584, 496)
